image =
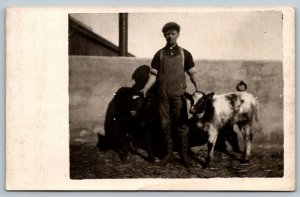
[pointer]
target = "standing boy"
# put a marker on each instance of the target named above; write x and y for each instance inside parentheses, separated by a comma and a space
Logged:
(168, 69)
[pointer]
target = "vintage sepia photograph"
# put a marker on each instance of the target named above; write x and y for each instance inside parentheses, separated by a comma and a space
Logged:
(176, 95)
(150, 99)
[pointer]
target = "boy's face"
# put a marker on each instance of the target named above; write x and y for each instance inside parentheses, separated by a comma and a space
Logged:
(171, 36)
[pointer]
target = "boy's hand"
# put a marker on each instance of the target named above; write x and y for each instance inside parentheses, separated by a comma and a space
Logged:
(144, 92)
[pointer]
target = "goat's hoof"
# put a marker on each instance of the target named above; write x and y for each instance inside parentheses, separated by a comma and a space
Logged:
(123, 159)
(191, 170)
(151, 160)
(245, 161)
(206, 164)
(233, 156)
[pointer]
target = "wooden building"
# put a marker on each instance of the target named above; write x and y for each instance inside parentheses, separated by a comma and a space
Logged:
(83, 41)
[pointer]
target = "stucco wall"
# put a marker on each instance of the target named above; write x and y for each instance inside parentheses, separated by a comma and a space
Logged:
(94, 80)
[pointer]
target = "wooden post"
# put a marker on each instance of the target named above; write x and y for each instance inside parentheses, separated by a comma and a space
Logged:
(123, 34)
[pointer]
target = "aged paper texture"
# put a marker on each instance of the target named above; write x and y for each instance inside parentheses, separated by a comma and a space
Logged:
(59, 85)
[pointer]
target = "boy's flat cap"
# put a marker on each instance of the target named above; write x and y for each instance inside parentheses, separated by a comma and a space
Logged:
(171, 26)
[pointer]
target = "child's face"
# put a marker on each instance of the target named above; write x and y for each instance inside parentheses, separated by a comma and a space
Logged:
(171, 36)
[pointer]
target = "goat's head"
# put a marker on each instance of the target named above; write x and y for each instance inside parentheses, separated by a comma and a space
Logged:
(199, 102)
(136, 103)
(128, 102)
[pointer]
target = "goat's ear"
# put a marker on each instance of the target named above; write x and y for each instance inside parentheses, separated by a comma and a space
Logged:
(210, 96)
(187, 96)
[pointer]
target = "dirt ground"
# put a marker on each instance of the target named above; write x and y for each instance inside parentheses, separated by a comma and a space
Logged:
(87, 162)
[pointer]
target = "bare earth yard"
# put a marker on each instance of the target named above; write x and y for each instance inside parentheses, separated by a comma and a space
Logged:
(87, 162)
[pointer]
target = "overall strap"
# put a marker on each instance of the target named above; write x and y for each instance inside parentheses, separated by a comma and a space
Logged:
(182, 55)
(161, 55)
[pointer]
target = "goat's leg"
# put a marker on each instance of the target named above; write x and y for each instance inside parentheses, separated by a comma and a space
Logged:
(149, 144)
(232, 138)
(248, 142)
(212, 138)
(247, 135)
(123, 142)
